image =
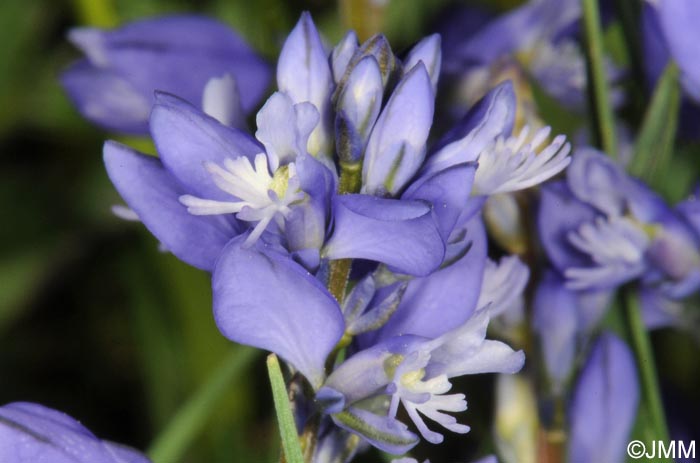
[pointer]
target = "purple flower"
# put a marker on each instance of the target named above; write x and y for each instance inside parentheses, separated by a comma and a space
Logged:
(414, 372)
(196, 58)
(271, 216)
(604, 404)
(32, 433)
(540, 35)
(602, 228)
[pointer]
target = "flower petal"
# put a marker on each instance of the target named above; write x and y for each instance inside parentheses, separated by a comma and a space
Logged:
(560, 213)
(679, 20)
(264, 299)
(555, 320)
(405, 121)
(593, 178)
(154, 194)
(399, 233)
(448, 191)
(31, 433)
(304, 74)
(177, 54)
(107, 99)
(444, 300)
(187, 138)
(428, 51)
(492, 116)
(604, 404)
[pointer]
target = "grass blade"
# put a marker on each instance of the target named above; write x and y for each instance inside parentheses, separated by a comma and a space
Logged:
(654, 146)
(189, 421)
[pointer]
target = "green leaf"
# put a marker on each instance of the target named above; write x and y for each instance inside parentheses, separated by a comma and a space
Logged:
(285, 420)
(598, 79)
(189, 421)
(654, 146)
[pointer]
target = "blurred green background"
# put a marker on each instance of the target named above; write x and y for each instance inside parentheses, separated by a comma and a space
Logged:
(94, 320)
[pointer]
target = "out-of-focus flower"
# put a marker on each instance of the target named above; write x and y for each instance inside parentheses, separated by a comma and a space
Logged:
(32, 433)
(604, 404)
(540, 35)
(516, 420)
(196, 58)
(602, 228)
(669, 32)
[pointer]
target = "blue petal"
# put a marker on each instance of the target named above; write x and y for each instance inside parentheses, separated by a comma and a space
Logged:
(304, 74)
(438, 303)
(656, 52)
(399, 233)
(361, 96)
(264, 299)
(604, 404)
(555, 321)
(559, 213)
(107, 99)
(492, 116)
(187, 138)
(284, 128)
(177, 54)
(448, 191)
(593, 178)
(31, 433)
(466, 351)
(150, 190)
(520, 29)
(342, 54)
(396, 146)
(307, 224)
(428, 51)
(679, 20)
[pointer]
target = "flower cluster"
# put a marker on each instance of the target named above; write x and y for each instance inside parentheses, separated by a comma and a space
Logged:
(340, 187)
(369, 250)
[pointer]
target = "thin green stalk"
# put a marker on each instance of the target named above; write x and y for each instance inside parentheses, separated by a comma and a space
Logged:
(98, 13)
(598, 81)
(647, 367)
(285, 420)
(189, 421)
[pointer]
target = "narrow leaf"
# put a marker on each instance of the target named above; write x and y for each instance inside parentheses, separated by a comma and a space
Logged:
(654, 145)
(285, 420)
(192, 418)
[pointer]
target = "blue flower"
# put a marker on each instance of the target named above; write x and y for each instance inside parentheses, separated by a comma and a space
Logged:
(198, 59)
(31, 433)
(540, 35)
(332, 174)
(602, 228)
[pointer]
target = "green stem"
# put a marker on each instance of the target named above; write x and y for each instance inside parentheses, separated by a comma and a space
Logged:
(647, 366)
(291, 447)
(97, 13)
(173, 441)
(598, 81)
